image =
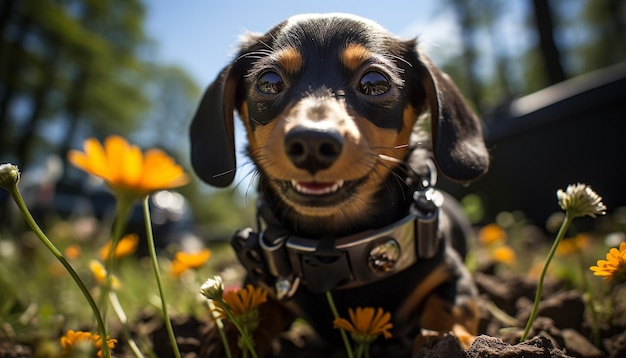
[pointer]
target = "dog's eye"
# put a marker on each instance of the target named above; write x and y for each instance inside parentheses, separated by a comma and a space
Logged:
(374, 84)
(270, 83)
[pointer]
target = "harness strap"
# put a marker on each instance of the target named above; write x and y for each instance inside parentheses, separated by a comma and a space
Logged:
(284, 261)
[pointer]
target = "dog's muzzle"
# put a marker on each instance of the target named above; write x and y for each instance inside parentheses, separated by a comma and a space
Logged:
(285, 261)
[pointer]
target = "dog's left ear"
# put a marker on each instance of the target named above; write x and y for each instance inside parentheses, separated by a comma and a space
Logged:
(457, 135)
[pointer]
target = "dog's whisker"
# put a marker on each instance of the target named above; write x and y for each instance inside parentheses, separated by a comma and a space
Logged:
(390, 159)
(270, 48)
(254, 55)
(398, 58)
(255, 175)
(254, 120)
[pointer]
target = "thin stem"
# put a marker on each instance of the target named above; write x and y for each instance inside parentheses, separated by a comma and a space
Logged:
(344, 335)
(559, 236)
(589, 301)
(121, 315)
(244, 334)
(220, 328)
(157, 276)
(17, 197)
(360, 350)
(124, 207)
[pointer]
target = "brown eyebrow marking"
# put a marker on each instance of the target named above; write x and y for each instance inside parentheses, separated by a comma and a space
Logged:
(354, 55)
(290, 59)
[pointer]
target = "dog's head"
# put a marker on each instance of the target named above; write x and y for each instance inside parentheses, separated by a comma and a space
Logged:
(329, 103)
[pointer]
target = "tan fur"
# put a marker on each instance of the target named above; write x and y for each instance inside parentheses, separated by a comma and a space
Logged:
(290, 60)
(364, 142)
(354, 55)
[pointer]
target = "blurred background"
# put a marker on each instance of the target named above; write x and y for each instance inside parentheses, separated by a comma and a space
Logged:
(546, 76)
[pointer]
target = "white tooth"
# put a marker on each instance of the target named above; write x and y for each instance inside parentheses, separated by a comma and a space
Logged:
(305, 190)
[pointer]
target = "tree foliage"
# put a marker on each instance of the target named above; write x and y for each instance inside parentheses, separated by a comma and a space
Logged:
(70, 61)
(555, 40)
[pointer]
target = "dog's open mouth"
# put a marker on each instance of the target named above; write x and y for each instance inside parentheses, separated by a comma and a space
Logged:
(316, 188)
(314, 193)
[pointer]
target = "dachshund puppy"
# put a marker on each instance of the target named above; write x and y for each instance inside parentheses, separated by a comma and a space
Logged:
(336, 111)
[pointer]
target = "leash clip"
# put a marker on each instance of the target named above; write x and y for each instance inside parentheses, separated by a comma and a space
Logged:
(426, 204)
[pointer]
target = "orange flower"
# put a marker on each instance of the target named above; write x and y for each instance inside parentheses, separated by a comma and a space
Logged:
(245, 300)
(573, 245)
(100, 274)
(366, 324)
(126, 169)
(491, 233)
(72, 252)
(184, 261)
(126, 246)
(504, 254)
(72, 338)
(243, 304)
(614, 267)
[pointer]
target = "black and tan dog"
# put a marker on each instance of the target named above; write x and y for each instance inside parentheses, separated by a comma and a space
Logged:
(334, 106)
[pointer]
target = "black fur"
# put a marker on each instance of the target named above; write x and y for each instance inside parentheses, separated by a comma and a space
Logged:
(322, 85)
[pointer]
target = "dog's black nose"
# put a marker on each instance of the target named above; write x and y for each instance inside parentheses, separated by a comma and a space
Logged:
(313, 149)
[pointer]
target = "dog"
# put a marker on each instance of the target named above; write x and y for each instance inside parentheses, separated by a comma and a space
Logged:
(336, 112)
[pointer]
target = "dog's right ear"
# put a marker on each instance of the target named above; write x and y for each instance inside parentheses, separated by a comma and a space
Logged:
(212, 132)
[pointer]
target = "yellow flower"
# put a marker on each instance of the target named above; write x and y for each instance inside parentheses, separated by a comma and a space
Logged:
(73, 338)
(491, 233)
(614, 267)
(186, 260)
(126, 246)
(100, 274)
(504, 254)
(366, 324)
(126, 169)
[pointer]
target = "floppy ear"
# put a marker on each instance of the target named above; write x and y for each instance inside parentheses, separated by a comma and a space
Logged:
(212, 133)
(457, 134)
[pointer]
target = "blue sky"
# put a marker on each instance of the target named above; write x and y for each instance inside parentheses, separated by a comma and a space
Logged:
(201, 35)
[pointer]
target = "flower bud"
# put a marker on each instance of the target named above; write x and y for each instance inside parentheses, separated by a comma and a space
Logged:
(580, 200)
(213, 288)
(9, 175)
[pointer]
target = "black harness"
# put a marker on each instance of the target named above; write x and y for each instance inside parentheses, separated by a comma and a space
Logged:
(285, 261)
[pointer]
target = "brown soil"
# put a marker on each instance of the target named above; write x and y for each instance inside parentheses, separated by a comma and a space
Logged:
(562, 329)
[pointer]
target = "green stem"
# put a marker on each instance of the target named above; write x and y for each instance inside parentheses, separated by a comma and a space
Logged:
(124, 207)
(17, 197)
(344, 335)
(157, 276)
(244, 335)
(220, 327)
(589, 301)
(559, 236)
(360, 350)
(121, 315)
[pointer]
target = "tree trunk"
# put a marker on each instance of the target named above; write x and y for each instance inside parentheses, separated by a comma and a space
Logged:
(468, 27)
(548, 49)
(40, 98)
(10, 73)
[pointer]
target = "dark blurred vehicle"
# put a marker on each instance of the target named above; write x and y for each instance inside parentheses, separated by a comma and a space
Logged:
(571, 132)
(171, 216)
